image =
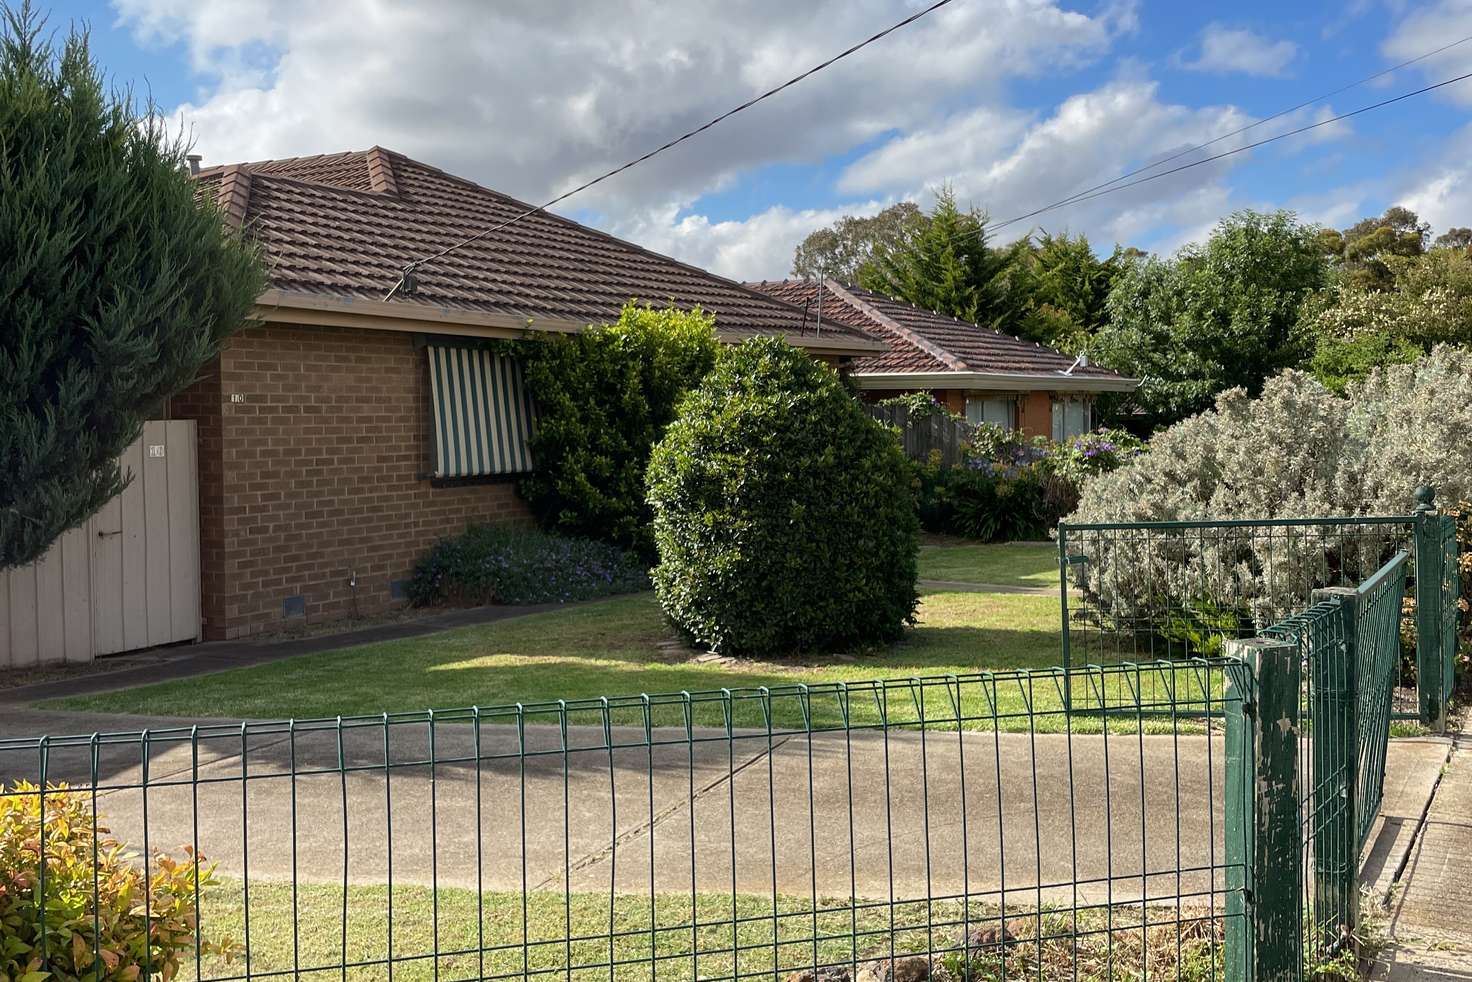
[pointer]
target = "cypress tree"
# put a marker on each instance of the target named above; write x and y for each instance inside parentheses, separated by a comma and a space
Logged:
(946, 266)
(116, 285)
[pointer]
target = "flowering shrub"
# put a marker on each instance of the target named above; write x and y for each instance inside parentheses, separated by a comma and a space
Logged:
(1094, 453)
(1002, 451)
(997, 449)
(1295, 451)
(511, 565)
(105, 920)
(1014, 487)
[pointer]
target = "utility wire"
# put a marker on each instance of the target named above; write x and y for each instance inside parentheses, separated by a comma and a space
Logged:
(1111, 188)
(409, 270)
(1079, 195)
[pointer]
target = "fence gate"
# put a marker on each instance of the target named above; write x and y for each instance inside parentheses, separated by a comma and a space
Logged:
(126, 579)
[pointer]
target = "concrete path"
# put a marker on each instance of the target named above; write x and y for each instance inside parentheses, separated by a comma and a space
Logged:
(185, 661)
(1430, 912)
(1029, 818)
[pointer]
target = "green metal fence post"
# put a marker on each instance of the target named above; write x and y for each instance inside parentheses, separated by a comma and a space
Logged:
(1264, 861)
(1336, 794)
(1430, 557)
(1063, 606)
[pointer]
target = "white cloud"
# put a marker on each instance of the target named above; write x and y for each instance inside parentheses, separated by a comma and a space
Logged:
(756, 248)
(1431, 26)
(1441, 191)
(1010, 165)
(1226, 50)
(1089, 139)
(533, 96)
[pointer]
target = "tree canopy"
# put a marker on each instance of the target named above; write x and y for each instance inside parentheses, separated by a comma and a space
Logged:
(1366, 247)
(1065, 289)
(116, 285)
(846, 246)
(1362, 325)
(1215, 316)
(946, 266)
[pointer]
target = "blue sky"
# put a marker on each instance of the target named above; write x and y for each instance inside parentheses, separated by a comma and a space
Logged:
(1013, 103)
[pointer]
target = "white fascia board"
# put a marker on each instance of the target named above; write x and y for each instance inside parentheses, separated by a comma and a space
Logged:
(1051, 381)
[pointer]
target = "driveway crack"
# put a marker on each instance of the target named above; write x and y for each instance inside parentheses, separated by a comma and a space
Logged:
(594, 858)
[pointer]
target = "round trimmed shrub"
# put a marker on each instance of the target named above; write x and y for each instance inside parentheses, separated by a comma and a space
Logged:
(784, 515)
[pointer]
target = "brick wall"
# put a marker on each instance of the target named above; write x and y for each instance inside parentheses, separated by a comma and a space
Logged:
(323, 439)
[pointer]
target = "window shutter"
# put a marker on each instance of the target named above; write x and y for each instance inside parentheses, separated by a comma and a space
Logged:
(482, 413)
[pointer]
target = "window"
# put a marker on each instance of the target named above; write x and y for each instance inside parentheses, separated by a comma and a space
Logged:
(482, 414)
(1071, 418)
(992, 409)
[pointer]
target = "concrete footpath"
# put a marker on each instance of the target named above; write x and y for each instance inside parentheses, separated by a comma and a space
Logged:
(1430, 911)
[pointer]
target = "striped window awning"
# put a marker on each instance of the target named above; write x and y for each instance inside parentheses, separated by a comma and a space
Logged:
(482, 413)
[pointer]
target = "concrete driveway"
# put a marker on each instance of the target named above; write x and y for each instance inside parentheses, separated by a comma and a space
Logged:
(1029, 817)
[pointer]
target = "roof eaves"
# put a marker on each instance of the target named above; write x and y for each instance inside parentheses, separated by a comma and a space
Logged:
(1049, 381)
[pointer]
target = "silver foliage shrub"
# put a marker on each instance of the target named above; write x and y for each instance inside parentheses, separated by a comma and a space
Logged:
(1295, 451)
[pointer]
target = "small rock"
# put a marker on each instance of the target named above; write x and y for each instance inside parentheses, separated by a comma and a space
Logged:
(986, 936)
(833, 973)
(910, 969)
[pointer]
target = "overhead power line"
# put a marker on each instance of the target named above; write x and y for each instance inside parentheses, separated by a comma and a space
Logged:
(410, 269)
(1112, 188)
(1078, 195)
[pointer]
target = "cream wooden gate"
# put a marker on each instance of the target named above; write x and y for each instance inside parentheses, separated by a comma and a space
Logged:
(128, 578)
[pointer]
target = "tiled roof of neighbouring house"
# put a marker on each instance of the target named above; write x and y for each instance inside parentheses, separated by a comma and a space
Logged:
(922, 341)
(345, 225)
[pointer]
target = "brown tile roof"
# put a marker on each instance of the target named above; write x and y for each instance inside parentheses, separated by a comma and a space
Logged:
(922, 341)
(344, 226)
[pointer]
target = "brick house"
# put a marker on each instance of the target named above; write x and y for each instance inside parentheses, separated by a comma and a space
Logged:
(974, 371)
(343, 434)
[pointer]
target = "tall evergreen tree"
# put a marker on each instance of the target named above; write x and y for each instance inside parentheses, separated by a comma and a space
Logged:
(946, 266)
(116, 286)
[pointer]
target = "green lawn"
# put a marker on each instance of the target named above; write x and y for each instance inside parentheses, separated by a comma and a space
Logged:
(608, 647)
(621, 647)
(461, 934)
(1012, 564)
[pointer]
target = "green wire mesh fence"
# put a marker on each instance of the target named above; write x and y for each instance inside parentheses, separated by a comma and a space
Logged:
(1198, 818)
(1162, 590)
(952, 827)
(1348, 646)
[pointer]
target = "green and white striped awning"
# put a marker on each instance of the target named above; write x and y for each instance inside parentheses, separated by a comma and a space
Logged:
(482, 414)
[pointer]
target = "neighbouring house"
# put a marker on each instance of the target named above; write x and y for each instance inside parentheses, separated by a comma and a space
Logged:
(343, 434)
(976, 372)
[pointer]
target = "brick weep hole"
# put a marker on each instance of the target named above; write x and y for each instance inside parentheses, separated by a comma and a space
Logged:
(314, 446)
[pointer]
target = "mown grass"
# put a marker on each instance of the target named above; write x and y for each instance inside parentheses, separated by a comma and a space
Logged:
(623, 646)
(322, 931)
(1016, 564)
(613, 647)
